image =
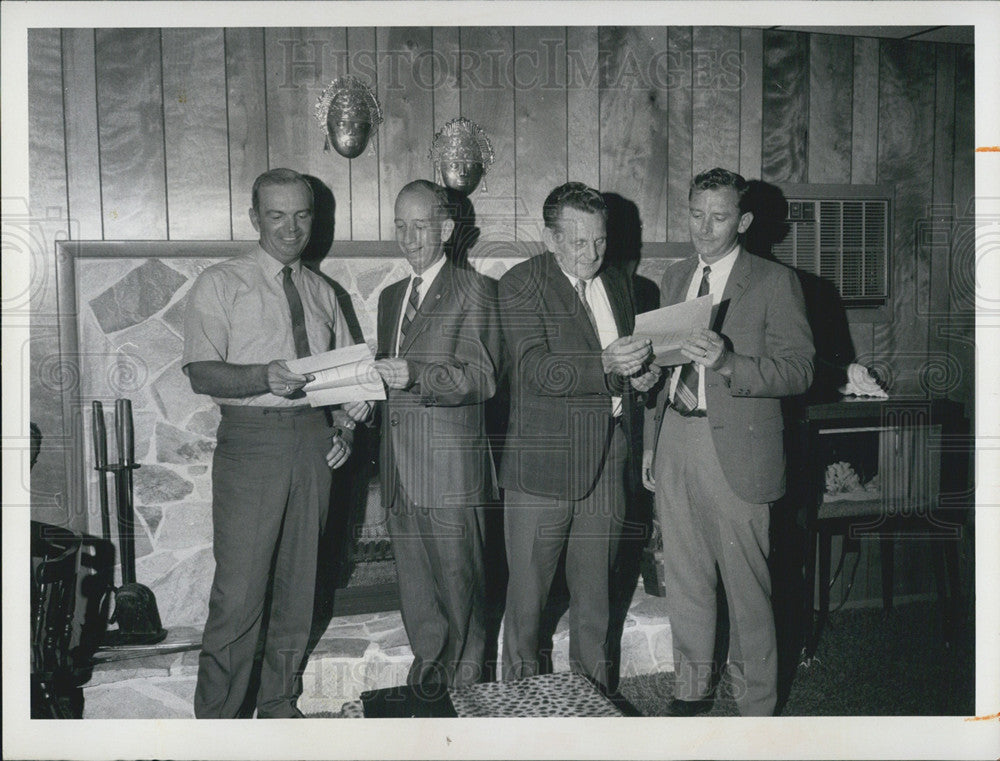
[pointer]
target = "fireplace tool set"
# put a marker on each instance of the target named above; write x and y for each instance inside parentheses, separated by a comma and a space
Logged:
(135, 610)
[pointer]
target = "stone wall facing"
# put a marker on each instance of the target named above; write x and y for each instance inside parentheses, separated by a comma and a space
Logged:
(130, 323)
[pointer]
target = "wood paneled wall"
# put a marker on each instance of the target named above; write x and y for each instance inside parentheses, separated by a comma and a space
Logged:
(158, 134)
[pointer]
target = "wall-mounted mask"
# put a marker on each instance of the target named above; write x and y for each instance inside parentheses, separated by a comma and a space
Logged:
(349, 115)
(462, 154)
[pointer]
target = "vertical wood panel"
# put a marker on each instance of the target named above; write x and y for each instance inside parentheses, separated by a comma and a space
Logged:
(831, 81)
(29, 270)
(442, 73)
(46, 140)
(364, 54)
(300, 63)
(716, 98)
(539, 71)
(634, 115)
(864, 128)
(246, 102)
(196, 136)
(961, 344)
(83, 170)
(751, 101)
(488, 99)
(786, 107)
(130, 130)
(583, 106)
(863, 338)
(906, 140)
(942, 213)
(679, 137)
(407, 97)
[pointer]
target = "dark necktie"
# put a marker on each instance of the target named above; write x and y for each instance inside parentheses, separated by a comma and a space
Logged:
(581, 291)
(412, 304)
(298, 315)
(686, 394)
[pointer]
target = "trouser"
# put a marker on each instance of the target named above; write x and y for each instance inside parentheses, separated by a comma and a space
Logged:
(442, 591)
(704, 526)
(536, 530)
(270, 496)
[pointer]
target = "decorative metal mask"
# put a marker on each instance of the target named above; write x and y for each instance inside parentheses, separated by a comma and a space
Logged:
(349, 114)
(462, 154)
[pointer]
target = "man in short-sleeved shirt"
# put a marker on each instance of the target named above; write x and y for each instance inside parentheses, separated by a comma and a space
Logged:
(271, 471)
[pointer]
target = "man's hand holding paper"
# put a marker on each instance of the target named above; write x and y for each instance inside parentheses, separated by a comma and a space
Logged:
(340, 376)
(671, 327)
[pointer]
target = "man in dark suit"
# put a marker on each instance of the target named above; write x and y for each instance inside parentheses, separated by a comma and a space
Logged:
(714, 451)
(438, 347)
(567, 325)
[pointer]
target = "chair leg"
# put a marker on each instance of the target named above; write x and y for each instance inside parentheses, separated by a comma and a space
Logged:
(887, 551)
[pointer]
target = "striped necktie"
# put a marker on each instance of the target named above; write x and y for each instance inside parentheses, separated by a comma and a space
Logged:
(686, 394)
(412, 304)
(298, 315)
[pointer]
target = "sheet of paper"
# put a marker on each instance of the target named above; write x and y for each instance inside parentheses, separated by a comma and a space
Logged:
(341, 375)
(668, 327)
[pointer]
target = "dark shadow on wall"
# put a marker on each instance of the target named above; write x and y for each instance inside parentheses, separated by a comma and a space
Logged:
(466, 233)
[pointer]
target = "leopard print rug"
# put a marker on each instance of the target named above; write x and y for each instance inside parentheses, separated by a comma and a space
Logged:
(551, 695)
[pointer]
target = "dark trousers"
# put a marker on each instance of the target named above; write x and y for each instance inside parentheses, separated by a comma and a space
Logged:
(270, 495)
(704, 525)
(442, 591)
(536, 530)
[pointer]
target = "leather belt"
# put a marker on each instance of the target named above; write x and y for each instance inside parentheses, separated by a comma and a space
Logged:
(692, 413)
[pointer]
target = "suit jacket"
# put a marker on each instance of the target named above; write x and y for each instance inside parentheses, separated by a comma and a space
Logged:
(560, 418)
(762, 316)
(434, 433)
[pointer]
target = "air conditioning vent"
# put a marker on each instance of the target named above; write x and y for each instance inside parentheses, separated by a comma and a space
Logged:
(844, 240)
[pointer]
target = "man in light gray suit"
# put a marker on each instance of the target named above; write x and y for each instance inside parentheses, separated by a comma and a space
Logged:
(713, 449)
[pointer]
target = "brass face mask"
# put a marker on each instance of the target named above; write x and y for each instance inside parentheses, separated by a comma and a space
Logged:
(349, 115)
(462, 154)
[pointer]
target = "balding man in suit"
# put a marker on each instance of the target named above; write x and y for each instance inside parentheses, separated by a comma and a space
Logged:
(438, 353)
(713, 451)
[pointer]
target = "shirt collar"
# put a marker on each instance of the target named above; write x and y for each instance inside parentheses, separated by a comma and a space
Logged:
(272, 267)
(428, 275)
(723, 265)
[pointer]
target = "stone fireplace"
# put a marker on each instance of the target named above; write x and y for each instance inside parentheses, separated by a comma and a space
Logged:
(124, 339)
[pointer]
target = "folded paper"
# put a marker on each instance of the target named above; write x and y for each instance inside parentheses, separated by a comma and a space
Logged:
(340, 375)
(669, 327)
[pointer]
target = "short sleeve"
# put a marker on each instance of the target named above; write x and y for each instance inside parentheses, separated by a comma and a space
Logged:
(206, 322)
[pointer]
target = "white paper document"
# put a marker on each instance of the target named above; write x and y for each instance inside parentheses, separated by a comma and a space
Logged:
(668, 327)
(341, 375)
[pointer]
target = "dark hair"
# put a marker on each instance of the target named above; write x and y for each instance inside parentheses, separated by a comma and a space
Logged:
(443, 205)
(717, 178)
(575, 195)
(278, 177)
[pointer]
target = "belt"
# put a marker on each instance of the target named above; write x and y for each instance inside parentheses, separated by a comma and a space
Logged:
(256, 412)
(692, 413)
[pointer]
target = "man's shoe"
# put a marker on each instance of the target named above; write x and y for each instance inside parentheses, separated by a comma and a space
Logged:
(683, 708)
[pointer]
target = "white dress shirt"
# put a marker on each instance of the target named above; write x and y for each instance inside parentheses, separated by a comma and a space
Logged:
(717, 280)
(607, 329)
(427, 278)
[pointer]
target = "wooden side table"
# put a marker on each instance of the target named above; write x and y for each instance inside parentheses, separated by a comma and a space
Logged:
(906, 456)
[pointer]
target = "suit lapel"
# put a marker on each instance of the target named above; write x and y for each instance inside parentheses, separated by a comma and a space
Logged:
(389, 321)
(568, 300)
(439, 289)
(676, 290)
(736, 286)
